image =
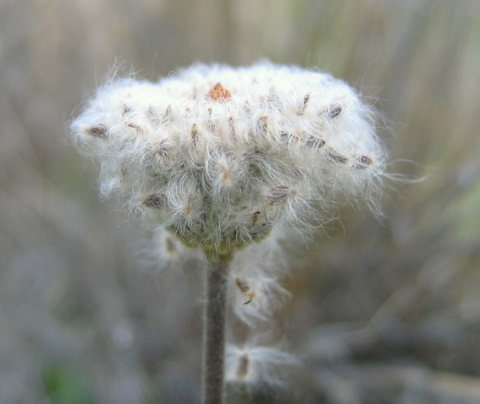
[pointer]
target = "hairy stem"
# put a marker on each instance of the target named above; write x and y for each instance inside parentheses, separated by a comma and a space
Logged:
(214, 332)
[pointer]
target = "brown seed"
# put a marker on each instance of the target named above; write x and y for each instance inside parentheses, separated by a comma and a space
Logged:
(244, 287)
(155, 201)
(210, 124)
(334, 110)
(256, 217)
(278, 195)
(363, 162)
(126, 110)
(304, 106)
(366, 160)
(314, 142)
(333, 156)
(242, 284)
(305, 101)
(98, 131)
(219, 93)
(289, 138)
(134, 126)
(194, 134)
(242, 368)
(162, 148)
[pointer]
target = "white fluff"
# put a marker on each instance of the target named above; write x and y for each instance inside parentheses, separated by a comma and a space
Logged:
(222, 172)
(250, 365)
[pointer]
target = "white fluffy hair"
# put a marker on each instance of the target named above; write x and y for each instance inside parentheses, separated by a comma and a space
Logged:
(220, 156)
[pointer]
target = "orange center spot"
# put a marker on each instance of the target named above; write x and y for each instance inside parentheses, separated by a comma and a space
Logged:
(219, 93)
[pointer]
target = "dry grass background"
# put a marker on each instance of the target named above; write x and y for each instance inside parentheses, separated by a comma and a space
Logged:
(381, 312)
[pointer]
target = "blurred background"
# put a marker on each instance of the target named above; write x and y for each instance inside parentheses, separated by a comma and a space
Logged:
(380, 311)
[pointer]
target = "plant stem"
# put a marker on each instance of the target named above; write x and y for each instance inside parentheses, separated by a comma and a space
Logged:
(214, 332)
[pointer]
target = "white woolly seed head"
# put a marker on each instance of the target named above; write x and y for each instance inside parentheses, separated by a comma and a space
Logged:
(221, 155)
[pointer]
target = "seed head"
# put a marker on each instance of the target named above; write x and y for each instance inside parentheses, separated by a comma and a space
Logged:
(220, 156)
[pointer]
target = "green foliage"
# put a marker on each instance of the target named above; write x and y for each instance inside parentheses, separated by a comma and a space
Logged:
(64, 386)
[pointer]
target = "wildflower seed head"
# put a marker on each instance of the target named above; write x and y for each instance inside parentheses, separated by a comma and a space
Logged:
(220, 156)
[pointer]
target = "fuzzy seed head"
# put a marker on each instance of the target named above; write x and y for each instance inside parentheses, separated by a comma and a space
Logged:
(221, 156)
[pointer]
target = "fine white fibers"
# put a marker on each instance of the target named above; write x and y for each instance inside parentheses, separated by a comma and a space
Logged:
(257, 364)
(255, 282)
(221, 156)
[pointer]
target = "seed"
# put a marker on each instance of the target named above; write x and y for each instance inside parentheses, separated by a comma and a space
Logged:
(278, 195)
(334, 110)
(256, 217)
(333, 156)
(155, 201)
(134, 126)
(126, 110)
(306, 98)
(363, 162)
(242, 285)
(314, 142)
(98, 131)
(289, 138)
(262, 126)
(194, 134)
(242, 368)
(366, 160)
